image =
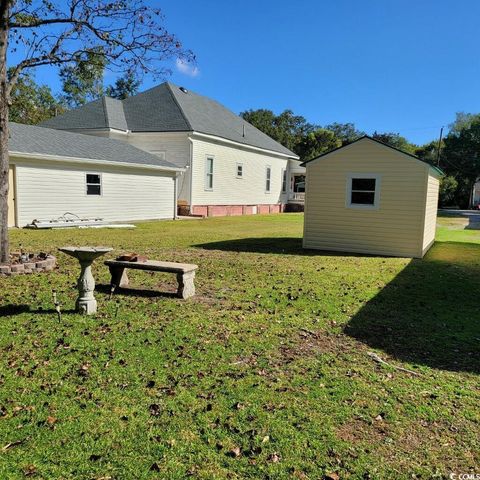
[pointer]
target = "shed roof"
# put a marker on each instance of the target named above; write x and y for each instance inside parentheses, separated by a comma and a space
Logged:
(30, 139)
(167, 108)
(433, 167)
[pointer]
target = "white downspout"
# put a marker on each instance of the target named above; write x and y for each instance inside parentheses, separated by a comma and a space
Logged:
(175, 202)
(191, 173)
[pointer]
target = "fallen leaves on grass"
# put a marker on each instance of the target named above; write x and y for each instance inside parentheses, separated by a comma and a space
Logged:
(13, 444)
(154, 409)
(274, 457)
(235, 452)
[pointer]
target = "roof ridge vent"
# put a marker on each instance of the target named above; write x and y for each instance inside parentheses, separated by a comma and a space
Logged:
(183, 89)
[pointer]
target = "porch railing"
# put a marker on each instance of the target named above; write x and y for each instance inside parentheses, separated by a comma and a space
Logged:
(297, 197)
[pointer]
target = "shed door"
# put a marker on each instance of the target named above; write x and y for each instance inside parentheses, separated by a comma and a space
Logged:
(11, 197)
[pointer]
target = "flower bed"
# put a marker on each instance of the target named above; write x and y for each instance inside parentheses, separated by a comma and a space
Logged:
(22, 263)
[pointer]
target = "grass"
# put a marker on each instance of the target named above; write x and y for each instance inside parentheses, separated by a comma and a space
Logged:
(264, 374)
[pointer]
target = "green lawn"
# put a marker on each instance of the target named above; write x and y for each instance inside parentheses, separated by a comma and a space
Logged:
(264, 374)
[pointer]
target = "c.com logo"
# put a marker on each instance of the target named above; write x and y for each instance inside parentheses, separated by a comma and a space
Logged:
(465, 476)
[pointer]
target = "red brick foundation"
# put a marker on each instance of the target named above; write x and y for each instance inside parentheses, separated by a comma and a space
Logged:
(234, 210)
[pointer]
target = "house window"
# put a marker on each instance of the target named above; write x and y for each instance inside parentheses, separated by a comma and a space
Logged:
(363, 191)
(284, 181)
(94, 184)
(239, 170)
(268, 179)
(209, 173)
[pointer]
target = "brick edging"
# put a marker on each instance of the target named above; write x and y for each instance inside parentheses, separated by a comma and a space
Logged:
(46, 265)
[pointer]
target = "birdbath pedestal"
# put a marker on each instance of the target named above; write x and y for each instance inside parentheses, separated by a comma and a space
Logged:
(86, 302)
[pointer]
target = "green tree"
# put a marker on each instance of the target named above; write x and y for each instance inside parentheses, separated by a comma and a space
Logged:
(462, 120)
(346, 132)
(287, 128)
(448, 189)
(461, 159)
(124, 87)
(32, 103)
(129, 35)
(395, 140)
(429, 152)
(317, 142)
(83, 78)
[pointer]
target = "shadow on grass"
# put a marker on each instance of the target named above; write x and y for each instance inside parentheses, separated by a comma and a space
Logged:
(429, 314)
(135, 292)
(276, 245)
(11, 309)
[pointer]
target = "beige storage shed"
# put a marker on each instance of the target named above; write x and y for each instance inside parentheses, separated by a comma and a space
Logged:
(368, 197)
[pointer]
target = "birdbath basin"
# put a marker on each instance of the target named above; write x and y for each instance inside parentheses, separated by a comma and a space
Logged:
(86, 302)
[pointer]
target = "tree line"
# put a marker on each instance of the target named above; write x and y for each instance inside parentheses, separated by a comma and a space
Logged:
(457, 154)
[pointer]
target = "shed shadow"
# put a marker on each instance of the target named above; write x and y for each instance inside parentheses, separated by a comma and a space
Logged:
(429, 314)
(274, 245)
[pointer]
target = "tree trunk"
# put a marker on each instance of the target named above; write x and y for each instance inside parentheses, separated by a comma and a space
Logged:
(4, 160)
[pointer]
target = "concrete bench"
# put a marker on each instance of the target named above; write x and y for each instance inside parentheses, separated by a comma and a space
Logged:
(185, 273)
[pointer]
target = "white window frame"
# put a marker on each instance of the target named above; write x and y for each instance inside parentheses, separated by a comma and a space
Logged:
(87, 184)
(239, 164)
(207, 173)
(361, 206)
(268, 177)
(284, 180)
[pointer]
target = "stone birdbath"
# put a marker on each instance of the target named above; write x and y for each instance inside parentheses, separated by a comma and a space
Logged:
(86, 302)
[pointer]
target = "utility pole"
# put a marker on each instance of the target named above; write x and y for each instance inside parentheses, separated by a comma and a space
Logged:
(439, 147)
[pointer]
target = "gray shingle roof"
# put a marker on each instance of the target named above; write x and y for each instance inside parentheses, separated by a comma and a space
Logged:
(47, 141)
(166, 108)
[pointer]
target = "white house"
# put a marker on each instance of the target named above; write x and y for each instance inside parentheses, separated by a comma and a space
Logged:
(368, 197)
(231, 167)
(53, 172)
(476, 195)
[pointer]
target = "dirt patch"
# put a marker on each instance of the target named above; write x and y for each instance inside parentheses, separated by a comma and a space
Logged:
(358, 430)
(311, 343)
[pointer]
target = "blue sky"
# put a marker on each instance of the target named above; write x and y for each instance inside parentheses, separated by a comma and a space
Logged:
(389, 65)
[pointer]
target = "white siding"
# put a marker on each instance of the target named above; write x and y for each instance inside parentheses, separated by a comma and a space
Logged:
(176, 146)
(227, 188)
(11, 197)
(47, 190)
(396, 227)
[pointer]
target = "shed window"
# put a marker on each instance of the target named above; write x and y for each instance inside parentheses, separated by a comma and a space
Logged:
(209, 173)
(239, 170)
(94, 184)
(363, 191)
(268, 179)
